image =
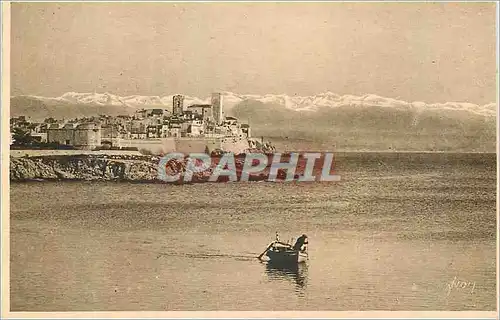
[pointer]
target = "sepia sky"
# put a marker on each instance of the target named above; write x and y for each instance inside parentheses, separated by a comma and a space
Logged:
(432, 52)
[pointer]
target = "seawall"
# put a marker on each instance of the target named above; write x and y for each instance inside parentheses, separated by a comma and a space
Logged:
(187, 144)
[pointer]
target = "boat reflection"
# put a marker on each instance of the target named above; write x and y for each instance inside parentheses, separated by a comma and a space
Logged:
(296, 273)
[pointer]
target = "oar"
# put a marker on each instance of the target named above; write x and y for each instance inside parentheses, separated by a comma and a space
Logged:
(269, 246)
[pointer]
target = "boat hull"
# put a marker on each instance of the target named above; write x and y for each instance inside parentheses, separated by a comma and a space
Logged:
(286, 257)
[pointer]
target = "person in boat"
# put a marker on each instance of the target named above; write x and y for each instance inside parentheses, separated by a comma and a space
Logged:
(301, 243)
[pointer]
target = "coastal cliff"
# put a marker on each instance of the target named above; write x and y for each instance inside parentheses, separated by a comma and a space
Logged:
(111, 167)
(84, 167)
(133, 168)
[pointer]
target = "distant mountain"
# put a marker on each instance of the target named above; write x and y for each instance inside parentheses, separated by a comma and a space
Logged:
(296, 103)
(72, 104)
(325, 121)
(39, 108)
(135, 101)
(358, 127)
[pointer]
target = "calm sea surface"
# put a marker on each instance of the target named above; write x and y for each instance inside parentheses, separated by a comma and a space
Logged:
(399, 232)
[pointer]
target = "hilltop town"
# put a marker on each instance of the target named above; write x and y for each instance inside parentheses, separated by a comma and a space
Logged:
(193, 124)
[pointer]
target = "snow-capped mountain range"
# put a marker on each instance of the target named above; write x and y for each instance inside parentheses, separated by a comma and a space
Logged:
(367, 122)
(293, 103)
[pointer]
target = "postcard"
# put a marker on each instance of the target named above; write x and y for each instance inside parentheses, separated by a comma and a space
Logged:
(249, 159)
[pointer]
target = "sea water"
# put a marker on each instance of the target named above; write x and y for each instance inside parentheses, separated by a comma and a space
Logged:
(398, 232)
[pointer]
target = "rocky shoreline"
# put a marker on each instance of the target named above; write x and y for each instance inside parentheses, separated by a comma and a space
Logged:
(128, 168)
(84, 167)
(144, 168)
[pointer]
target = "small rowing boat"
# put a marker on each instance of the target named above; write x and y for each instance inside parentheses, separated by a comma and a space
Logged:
(284, 253)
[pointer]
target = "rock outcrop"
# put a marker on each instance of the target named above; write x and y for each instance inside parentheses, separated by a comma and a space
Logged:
(110, 168)
(138, 168)
(84, 167)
